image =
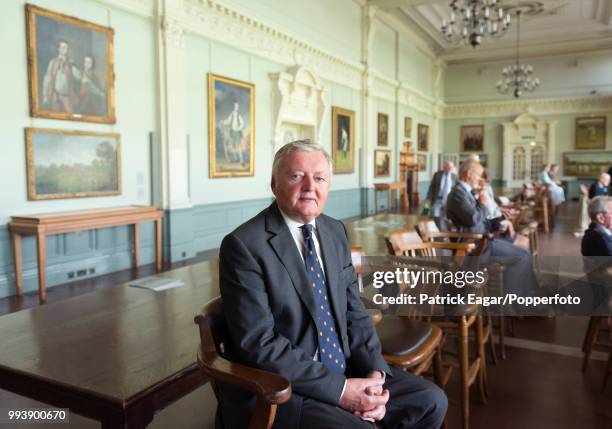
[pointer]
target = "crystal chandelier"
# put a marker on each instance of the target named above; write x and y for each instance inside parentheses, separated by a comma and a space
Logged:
(518, 77)
(471, 20)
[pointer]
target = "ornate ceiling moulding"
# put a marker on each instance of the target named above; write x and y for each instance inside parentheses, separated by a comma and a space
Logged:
(517, 107)
(217, 22)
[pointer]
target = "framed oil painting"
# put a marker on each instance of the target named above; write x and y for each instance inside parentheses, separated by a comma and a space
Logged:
(382, 163)
(72, 164)
(591, 133)
(70, 67)
(586, 164)
(343, 140)
(472, 138)
(422, 161)
(423, 134)
(407, 127)
(383, 129)
(231, 127)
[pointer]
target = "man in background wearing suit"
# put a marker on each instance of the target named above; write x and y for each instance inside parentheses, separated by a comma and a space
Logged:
(601, 186)
(597, 240)
(467, 208)
(441, 185)
(292, 306)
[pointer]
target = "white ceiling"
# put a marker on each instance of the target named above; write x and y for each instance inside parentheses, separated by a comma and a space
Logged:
(556, 27)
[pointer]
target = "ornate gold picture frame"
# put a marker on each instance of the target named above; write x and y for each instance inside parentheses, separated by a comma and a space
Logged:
(72, 164)
(71, 68)
(231, 127)
(343, 140)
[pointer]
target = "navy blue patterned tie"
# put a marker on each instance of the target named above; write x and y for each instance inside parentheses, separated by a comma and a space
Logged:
(330, 350)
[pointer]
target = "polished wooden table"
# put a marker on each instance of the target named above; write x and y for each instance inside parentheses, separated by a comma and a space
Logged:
(116, 355)
(400, 187)
(45, 224)
(369, 233)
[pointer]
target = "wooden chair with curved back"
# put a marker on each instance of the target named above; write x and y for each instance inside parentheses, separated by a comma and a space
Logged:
(270, 389)
(407, 242)
(429, 232)
(410, 344)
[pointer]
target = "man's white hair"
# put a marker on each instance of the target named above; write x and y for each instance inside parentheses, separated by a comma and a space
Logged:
(295, 146)
(598, 205)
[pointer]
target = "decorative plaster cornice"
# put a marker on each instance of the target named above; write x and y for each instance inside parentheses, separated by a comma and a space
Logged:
(213, 20)
(517, 107)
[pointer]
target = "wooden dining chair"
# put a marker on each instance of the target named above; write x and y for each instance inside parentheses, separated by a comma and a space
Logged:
(270, 389)
(408, 343)
(408, 242)
(472, 369)
(429, 231)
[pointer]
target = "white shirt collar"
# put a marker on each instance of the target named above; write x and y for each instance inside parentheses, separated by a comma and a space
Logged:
(292, 224)
(466, 186)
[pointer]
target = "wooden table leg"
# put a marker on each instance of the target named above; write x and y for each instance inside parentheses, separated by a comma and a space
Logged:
(16, 240)
(41, 248)
(158, 243)
(136, 244)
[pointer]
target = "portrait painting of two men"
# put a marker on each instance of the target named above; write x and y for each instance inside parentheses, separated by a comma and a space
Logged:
(70, 67)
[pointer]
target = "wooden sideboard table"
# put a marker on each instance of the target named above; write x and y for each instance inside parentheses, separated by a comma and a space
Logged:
(389, 188)
(45, 224)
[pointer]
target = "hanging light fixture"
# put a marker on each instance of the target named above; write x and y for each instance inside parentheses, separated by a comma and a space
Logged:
(518, 77)
(471, 20)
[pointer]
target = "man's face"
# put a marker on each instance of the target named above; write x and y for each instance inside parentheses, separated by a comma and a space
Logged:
(62, 48)
(301, 185)
(605, 180)
(448, 167)
(605, 219)
(474, 175)
(87, 63)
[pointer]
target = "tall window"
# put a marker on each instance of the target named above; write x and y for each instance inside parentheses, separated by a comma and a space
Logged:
(518, 164)
(537, 161)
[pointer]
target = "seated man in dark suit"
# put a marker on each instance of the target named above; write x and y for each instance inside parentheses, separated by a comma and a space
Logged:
(292, 306)
(597, 240)
(596, 249)
(467, 208)
(601, 187)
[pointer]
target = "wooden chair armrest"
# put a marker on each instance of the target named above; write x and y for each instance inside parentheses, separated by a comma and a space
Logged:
(267, 385)
(453, 234)
(452, 246)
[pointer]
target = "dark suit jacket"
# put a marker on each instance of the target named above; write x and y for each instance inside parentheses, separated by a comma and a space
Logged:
(596, 190)
(466, 212)
(270, 312)
(436, 182)
(596, 242)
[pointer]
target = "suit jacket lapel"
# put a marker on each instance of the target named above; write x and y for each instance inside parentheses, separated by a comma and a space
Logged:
(287, 253)
(332, 265)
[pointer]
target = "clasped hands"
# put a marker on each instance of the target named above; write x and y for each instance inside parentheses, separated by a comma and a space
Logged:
(365, 397)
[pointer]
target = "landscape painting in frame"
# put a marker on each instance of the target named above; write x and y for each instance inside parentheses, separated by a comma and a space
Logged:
(383, 129)
(423, 138)
(72, 164)
(70, 67)
(586, 164)
(591, 133)
(382, 163)
(231, 127)
(472, 138)
(343, 140)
